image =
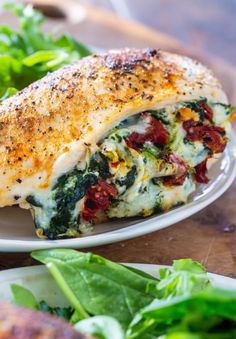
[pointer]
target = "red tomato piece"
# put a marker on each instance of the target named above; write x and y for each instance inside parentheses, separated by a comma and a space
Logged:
(194, 131)
(214, 140)
(98, 198)
(155, 133)
(211, 135)
(201, 172)
(182, 170)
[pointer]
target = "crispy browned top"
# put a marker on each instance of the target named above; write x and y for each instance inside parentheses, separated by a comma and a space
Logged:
(19, 323)
(78, 104)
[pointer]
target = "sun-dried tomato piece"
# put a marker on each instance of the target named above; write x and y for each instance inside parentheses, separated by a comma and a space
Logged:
(98, 198)
(214, 140)
(213, 136)
(208, 112)
(193, 129)
(135, 140)
(201, 172)
(155, 132)
(182, 170)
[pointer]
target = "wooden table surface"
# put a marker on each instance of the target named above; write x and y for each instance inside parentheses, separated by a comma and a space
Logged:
(210, 235)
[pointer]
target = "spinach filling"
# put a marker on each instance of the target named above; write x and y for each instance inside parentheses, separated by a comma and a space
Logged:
(161, 115)
(69, 189)
(60, 220)
(99, 163)
(55, 221)
(57, 213)
(129, 179)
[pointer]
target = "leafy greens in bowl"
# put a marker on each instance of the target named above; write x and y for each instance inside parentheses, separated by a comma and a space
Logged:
(29, 54)
(111, 300)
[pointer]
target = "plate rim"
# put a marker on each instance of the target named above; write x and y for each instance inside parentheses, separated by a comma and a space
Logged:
(145, 226)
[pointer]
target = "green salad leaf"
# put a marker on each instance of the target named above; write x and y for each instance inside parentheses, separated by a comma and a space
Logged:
(96, 286)
(23, 297)
(28, 54)
(102, 326)
(110, 300)
(186, 276)
(210, 313)
(141, 273)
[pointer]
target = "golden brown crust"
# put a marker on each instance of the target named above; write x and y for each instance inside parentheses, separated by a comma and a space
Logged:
(19, 323)
(81, 102)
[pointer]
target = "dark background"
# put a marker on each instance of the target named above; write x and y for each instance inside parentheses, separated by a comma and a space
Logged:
(209, 25)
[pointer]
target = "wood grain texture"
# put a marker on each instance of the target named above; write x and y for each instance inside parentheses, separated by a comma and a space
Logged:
(210, 235)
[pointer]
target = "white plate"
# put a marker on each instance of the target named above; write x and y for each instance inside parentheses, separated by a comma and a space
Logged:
(39, 281)
(17, 229)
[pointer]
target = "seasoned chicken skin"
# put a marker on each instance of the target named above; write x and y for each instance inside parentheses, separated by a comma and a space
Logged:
(55, 125)
(20, 323)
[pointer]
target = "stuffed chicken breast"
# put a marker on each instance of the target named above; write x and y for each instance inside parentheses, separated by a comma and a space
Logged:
(121, 134)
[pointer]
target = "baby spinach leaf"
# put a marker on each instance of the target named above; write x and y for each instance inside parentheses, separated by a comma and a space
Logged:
(210, 313)
(97, 286)
(142, 273)
(211, 301)
(23, 297)
(102, 327)
(186, 276)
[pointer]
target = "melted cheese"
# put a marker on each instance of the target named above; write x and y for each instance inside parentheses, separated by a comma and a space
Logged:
(137, 175)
